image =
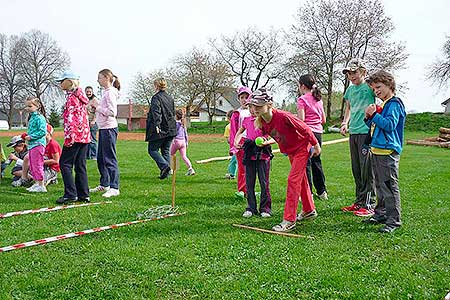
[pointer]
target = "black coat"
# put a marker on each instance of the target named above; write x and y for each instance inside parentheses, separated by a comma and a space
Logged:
(161, 115)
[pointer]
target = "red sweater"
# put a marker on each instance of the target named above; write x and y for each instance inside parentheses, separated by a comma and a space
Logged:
(291, 134)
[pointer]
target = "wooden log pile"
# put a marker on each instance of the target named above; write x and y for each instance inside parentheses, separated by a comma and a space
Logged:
(442, 141)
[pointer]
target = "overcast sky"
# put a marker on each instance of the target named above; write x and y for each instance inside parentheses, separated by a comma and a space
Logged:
(132, 36)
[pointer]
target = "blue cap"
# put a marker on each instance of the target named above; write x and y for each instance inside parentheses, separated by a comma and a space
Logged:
(68, 75)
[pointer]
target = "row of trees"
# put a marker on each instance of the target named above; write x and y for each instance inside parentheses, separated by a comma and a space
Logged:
(29, 65)
(325, 36)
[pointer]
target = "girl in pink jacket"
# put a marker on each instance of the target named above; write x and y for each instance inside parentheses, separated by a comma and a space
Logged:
(76, 141)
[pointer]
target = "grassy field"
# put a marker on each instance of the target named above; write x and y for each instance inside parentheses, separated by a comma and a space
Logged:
(201, 256)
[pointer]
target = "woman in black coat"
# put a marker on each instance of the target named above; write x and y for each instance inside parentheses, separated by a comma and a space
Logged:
(161, 127)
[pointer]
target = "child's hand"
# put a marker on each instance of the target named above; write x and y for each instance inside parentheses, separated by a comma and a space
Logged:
(343, 129)
(316, 150)
(12, 156)
(370, 110)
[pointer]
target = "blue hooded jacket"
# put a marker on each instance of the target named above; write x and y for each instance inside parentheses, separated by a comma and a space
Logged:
(390, 124)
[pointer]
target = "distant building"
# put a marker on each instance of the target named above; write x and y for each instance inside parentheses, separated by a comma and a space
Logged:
(19, 118)
(225, 103)
(132, 115)
(446, 104)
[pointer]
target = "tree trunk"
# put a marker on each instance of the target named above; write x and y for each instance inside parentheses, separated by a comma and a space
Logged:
(188, 116)
(329, 94)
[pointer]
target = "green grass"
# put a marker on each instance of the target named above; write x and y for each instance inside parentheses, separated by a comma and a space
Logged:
(201, 256)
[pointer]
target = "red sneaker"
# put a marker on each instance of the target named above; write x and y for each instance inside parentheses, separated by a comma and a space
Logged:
(364, 212)
(350, 208)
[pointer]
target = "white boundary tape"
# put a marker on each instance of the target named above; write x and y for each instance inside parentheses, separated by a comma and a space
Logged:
(80, 233)
(47, 209)
(204, 161)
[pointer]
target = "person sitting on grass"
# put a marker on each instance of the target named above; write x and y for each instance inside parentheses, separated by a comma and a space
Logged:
(180, 142)
(386, 146)
(20, 151)
(294, 139)
(52, 153)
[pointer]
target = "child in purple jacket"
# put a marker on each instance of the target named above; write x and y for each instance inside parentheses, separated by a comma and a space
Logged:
(180, 142)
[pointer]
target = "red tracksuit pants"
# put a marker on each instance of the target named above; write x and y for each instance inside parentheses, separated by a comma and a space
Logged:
(241, 171)
(298, 187)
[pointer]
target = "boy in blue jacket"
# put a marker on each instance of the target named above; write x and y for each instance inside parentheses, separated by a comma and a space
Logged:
(387, 126)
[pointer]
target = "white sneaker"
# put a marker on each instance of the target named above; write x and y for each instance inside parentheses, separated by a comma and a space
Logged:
(247, 214)
(323, 196)
(265, 215)
(284, 226)
(111, 193)
(99, 189)
(304, 216)
(190, 172)
(36, 188)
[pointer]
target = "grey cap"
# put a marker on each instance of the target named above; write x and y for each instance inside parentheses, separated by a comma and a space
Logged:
(353, 65)
(15, 140)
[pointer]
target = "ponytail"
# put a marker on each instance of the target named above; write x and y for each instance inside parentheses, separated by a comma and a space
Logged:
(316, 93)
(112, 78)
(116, 82)
(310, 82)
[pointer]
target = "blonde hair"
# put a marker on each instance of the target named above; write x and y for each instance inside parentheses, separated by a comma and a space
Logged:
(258, 120)
(160, 83)
(74, 83)
(111, 77)
(38, 103)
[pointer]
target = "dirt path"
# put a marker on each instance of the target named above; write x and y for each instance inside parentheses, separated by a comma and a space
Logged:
(136, 136)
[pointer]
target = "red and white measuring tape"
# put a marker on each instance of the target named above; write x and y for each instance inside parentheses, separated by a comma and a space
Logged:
(47, 209)
(80, 233)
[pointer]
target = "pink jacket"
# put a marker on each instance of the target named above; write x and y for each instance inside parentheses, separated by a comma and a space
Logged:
(107, 109)
(76, 125)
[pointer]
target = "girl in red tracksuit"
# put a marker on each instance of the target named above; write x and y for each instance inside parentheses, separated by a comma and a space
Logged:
(294, 139)
(237, 117)
(77, 137)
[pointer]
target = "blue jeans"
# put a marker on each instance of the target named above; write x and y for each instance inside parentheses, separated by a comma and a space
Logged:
(163, 159)
(107, 158)
(92, 151)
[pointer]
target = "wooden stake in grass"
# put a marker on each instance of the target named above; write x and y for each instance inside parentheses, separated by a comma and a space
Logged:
(274, 232)
(174, 169)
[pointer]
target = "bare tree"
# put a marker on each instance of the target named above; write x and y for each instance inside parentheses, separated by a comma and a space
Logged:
(214, 79)
(187, 86)
(11, 80)
(142, 88)
(253, 56)
(330, 33)
(44, 60)
(439, 71)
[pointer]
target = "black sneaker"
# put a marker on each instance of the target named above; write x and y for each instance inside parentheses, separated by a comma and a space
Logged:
(388, 229)
(64, 200)
(164, 173)
(84, 199)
